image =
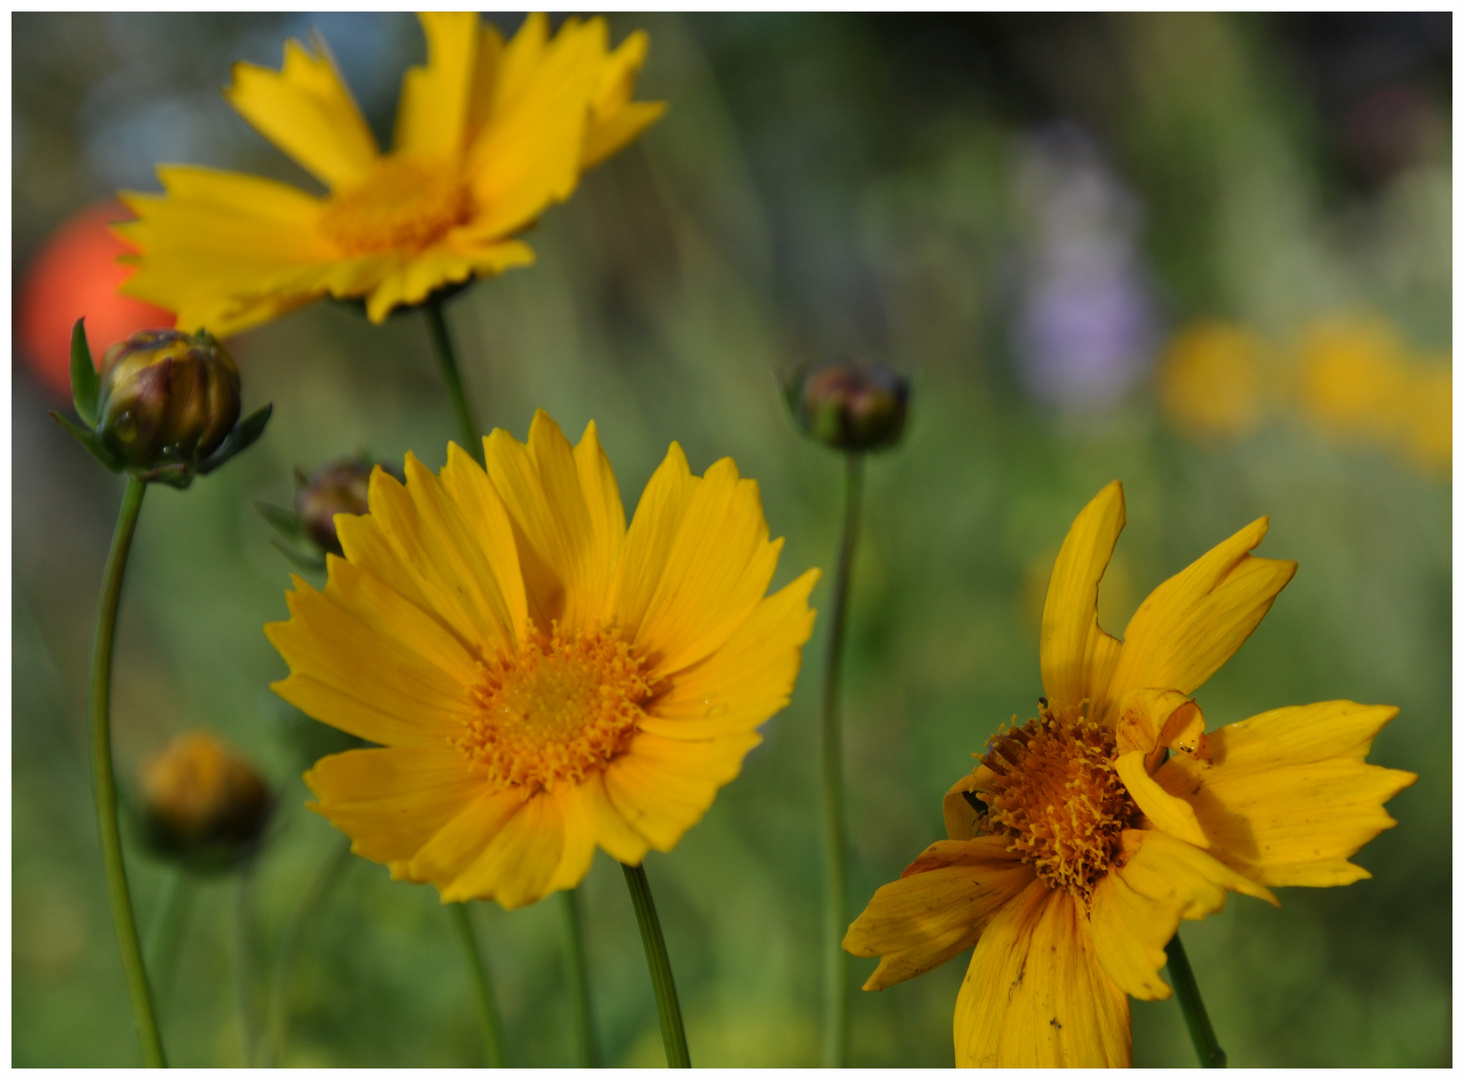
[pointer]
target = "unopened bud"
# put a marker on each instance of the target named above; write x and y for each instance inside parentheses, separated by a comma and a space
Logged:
(850, 406)
(205, 805)
(166, 398)
(337, 488)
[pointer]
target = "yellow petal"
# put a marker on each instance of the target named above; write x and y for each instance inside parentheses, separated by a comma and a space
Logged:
(1286, 798)
(748, 679)
(432, 117)
(662, 787)
(1072, 644)
(487, 519)
(455, 846)
(658, 518)
(580, 833)
(1157, 865)
(390, 802)
(612, 831)
(960, 815)
(306, 110)
(1035, 995)
(716, 572)
(527, 154)
(606, 515)
(539, 484)
(937, 908)
(1130, 931)
(1194, 622)
(1169, 812)
(614, 119)
(518, 864)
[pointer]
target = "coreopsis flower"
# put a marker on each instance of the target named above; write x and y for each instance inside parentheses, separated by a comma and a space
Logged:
(1212, 379)
(1086, 834)
(488, 135)
(542, 680)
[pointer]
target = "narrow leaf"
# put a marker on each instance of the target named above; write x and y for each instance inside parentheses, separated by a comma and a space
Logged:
(84, 379)
(87, 439)
(283, 521)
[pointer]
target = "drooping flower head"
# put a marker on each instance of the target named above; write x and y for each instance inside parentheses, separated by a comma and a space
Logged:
(488, 135)
(542, 680)
(1086, 834)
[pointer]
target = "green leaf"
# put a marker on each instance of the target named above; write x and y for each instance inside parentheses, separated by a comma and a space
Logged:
(89, 440)
(84, 378)
(303, 562)
(283, 521)
(243, 436)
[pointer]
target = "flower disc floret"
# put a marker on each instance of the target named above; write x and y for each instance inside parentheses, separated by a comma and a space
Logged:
(401, 205)
(1057, 798)
(564, 706)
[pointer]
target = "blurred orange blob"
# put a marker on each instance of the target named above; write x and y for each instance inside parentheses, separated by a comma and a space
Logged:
(76, 275)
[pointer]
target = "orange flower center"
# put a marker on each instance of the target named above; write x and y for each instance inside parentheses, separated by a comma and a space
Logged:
(560, 709)
(402, 204)
(1057, 798)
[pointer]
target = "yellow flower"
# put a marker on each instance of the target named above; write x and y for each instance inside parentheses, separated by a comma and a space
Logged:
(1354, 377)
(1076, 848)
(1428, 415)
(488, 135)
(541, 679)
(1212, 380)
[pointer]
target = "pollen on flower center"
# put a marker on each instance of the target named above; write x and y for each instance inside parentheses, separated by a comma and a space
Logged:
(563, 707)
(1058, 799)
(402, 204)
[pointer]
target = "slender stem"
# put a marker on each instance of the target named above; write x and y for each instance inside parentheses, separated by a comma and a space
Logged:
(585, 1056)
(104, 782)
(672, 1031)
(1195, 1016)
(836, 979)
(244, 1001)
(482, 985)
(165, 930)
(294, 937)
(467, 422)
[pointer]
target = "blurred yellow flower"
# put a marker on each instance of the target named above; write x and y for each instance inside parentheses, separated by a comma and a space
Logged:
(488, 135)
(1076, 848)
(204, 803)
(1212, 379)
(542, 680)
(1428, 416)
(1354, 377)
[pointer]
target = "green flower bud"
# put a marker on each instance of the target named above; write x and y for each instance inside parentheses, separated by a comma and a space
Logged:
(166, 398)
(849, 406)
(337, 488)
(204, 805)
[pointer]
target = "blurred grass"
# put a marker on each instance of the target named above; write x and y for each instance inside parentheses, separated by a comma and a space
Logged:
(820, 185)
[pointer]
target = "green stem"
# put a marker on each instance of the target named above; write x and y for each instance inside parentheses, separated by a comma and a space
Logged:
(482, 985)
(1190, 1002)
(165, 930)
(578, 979)
(294, 937)
(836, 979)
(244, 1002)
(104, 782)
(673, 1034)
(467, 422)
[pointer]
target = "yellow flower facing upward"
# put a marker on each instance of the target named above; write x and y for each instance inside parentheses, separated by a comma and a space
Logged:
(1085, 835)
(488, 135)
(542, 680)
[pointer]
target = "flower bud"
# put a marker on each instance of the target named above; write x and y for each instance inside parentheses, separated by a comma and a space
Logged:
(337, 488)
(204, 805)
(166, 398)
(851, 407)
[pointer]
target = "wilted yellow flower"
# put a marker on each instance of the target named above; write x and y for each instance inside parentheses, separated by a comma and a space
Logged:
(1076, 848)
(488, 135)
(542, 680)
(204, 804)
(1212, 379)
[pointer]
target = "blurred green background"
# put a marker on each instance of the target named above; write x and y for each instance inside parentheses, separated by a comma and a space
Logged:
(1022, 212)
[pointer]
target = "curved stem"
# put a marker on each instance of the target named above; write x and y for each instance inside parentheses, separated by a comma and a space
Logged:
(579, 984)
(1190, 1002)
(482, 985)
(279, 1003)
(836, 980)
(104, 782)
(467, 422)
(166, 928)
(673, 1033)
